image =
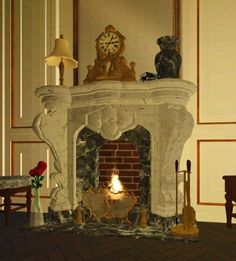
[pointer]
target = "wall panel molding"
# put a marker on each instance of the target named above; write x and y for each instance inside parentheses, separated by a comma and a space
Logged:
(28, 44)
(200, 77)
(176, 17)
(200, 176)
(29, 149)
(3, 83)
(76, 39)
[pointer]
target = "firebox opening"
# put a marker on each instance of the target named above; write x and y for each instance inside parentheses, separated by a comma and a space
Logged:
(128, 157)
(119, 160)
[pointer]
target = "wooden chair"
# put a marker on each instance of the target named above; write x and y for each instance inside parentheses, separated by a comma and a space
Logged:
(9, 186)
(230, 195)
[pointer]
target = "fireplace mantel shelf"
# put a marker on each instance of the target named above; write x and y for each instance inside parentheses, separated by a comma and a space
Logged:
(111, 108)
(174, 91)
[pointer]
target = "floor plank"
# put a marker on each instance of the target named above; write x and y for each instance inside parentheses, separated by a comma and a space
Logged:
(216, 242)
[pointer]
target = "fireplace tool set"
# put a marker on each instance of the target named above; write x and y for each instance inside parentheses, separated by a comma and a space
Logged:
(187, 226)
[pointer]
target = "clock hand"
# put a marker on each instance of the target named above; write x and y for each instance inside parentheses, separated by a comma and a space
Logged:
(110, 40)
(107, 44)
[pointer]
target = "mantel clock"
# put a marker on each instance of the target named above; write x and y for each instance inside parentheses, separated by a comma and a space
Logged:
(110, 64)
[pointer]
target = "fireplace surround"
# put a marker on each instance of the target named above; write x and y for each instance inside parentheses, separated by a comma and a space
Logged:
(110, 109)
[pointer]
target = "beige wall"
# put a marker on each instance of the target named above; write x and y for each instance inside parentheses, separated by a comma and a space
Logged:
(212, 146)
(141, 22)
(27, 39)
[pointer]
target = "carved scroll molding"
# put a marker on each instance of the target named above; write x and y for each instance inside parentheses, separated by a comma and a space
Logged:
(111, 108)
(111, 121)
(52, 127)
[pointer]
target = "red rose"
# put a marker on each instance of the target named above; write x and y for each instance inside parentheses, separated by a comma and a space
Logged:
(41, 167)
(38, 171)
(33, 172)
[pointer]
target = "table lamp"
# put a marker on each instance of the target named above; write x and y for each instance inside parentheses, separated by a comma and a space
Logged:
(61, 57)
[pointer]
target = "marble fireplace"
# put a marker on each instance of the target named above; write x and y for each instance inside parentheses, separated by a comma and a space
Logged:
(114, 110)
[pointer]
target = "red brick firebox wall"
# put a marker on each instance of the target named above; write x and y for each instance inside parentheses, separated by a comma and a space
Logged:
(124, 157)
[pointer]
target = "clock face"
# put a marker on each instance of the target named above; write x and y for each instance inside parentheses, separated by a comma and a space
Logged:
(109, 43)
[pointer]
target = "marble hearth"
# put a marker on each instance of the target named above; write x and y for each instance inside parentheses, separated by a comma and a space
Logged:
(111, 108)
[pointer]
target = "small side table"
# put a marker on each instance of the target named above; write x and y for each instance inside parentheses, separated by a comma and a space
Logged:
(7, 193)
(230, 195)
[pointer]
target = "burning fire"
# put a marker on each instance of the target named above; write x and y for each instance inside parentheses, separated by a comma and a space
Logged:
(115, 184)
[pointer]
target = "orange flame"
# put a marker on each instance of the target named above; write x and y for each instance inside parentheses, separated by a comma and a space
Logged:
(115, 184)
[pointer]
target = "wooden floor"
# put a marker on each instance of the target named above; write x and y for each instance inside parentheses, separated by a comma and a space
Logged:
(216, 243)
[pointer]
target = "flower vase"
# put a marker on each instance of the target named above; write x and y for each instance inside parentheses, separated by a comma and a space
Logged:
(36, 215)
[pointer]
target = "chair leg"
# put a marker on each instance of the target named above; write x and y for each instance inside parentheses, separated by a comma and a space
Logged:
(229, 210)
(7, 209)
(28, 203)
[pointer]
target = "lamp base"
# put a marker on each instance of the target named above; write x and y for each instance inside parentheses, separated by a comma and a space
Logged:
(61, 72)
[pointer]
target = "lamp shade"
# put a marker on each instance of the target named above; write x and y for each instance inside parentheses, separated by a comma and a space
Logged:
(61, 53)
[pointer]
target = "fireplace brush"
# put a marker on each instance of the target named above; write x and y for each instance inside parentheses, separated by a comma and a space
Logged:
(188, 222)
(186, 186)
(176, 190)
